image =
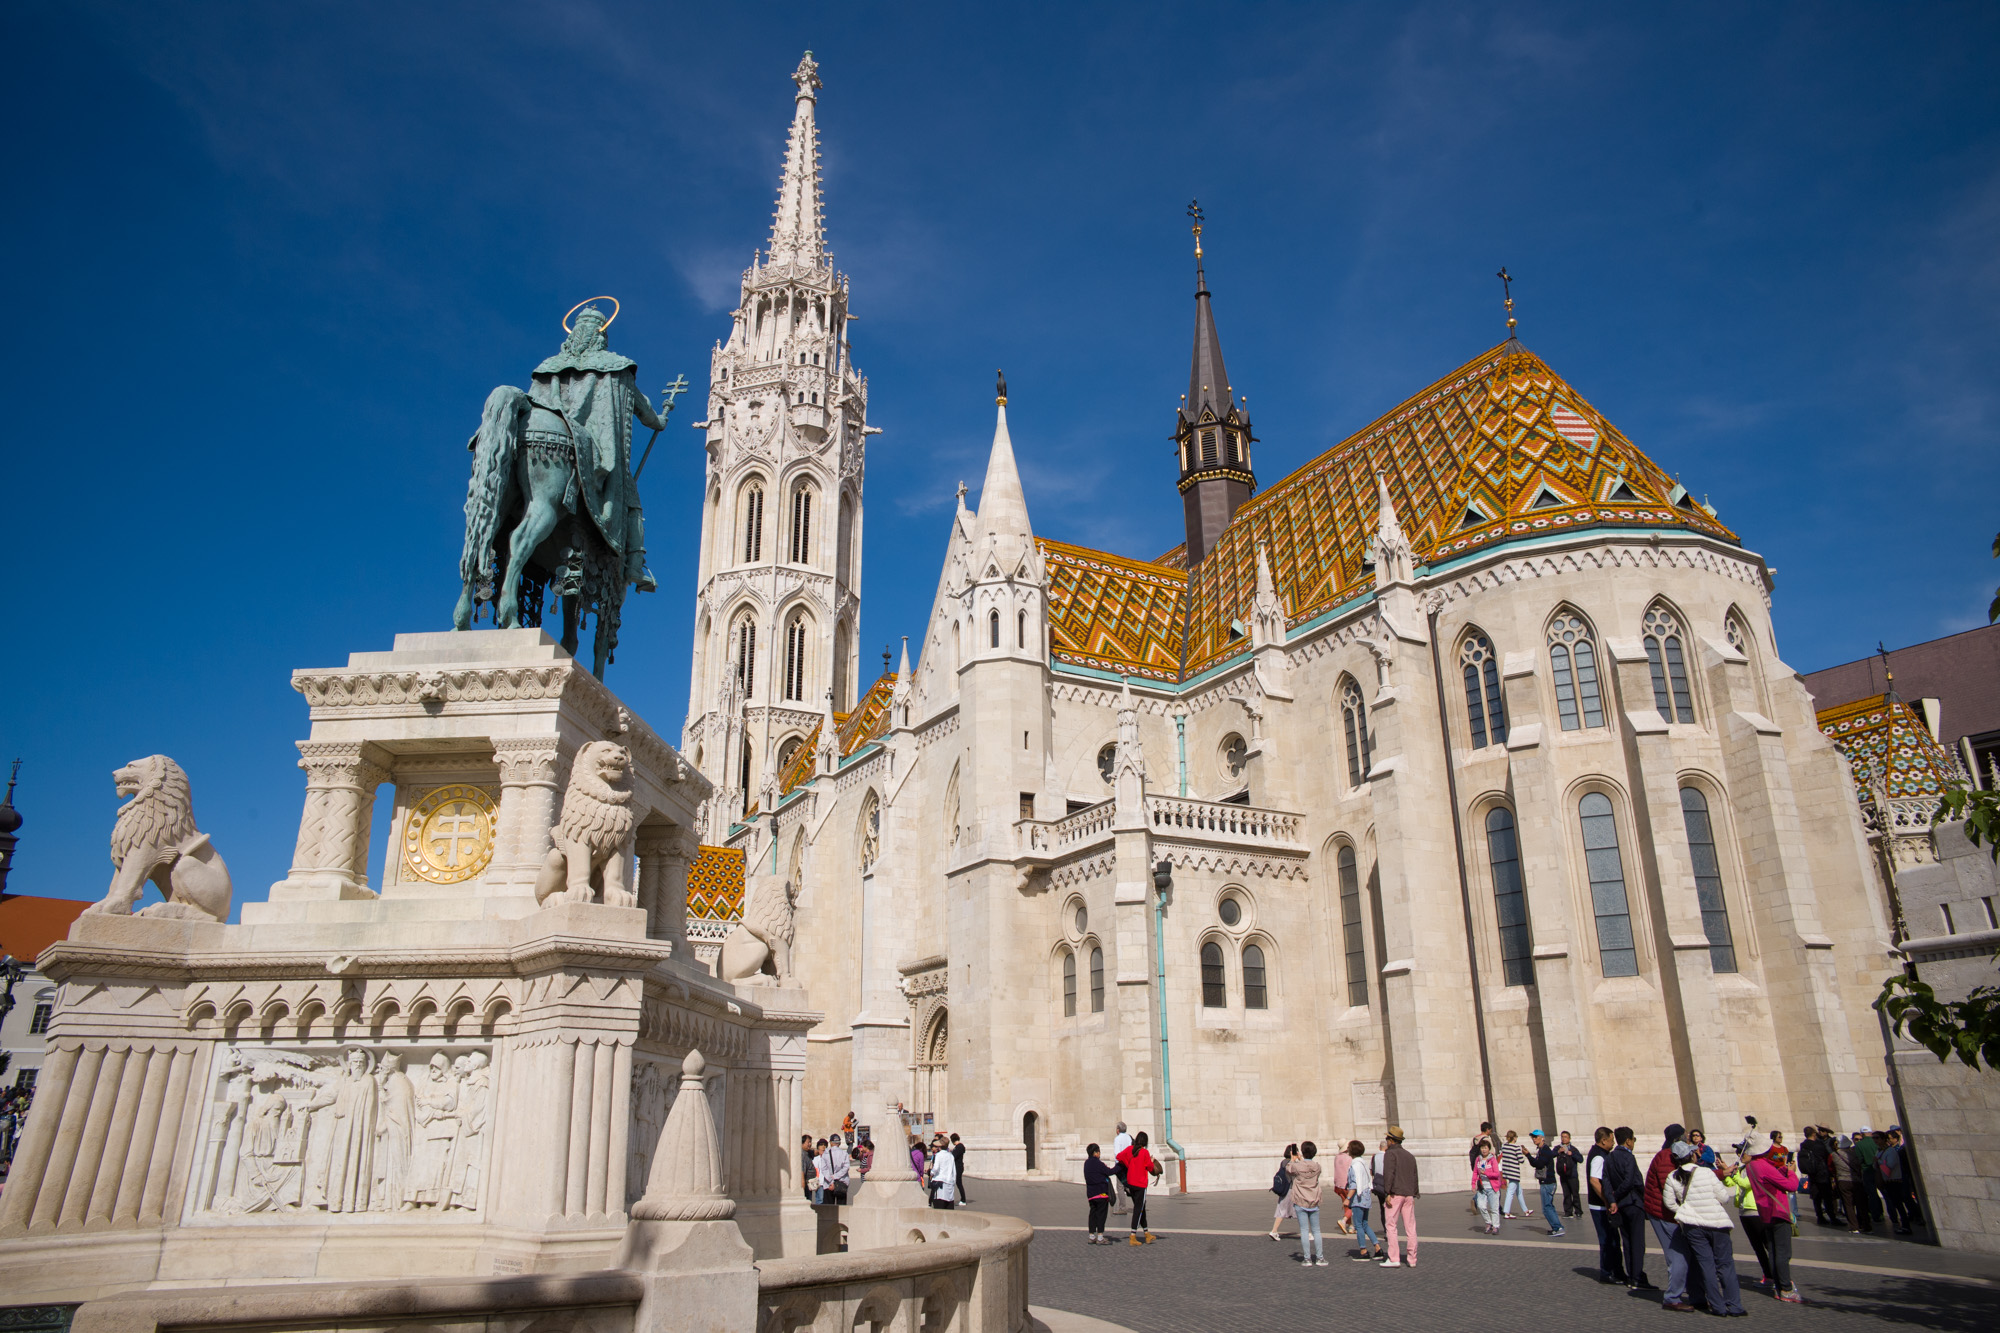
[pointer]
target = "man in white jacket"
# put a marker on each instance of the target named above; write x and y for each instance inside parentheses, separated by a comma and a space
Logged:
(1700, 1205)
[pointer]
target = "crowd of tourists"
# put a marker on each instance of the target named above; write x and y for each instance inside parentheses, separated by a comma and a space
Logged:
(1689, 1195)
(832, 1165)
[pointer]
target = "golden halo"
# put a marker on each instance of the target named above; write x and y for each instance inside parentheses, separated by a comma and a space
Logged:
(586, 301)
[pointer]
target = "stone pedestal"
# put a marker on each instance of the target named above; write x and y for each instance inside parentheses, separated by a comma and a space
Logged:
(430, 1077)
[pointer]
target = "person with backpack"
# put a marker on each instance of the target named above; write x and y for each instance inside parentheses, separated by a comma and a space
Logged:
(1699, 1204)
(1682, 1277)
(1569, 1162)
(1139, 1170)
(1281, 1185)
(1361, 1196)
(1097, 1192)
(1305, 1172)
(1486, 1186)
(1812, 1165)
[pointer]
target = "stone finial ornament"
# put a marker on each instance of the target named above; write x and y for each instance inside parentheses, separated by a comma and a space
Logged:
(685, 1183)
(758, 950)
(155, 838)
(592, 839)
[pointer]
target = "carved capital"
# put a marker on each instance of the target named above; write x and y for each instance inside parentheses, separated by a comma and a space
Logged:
(341, 764)
(528, 761)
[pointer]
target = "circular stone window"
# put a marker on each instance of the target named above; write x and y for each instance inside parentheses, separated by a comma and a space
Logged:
(1235, 753)
(1231, 911)
(1106, 757)
(1082, 918)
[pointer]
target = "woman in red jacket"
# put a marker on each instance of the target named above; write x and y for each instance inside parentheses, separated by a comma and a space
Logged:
(1140, 1168)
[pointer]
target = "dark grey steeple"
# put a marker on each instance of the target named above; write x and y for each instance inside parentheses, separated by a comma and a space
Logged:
(1212, 432)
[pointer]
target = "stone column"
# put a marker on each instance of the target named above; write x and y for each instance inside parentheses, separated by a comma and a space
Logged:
(331, 859)
(530, 776)
(665, 851)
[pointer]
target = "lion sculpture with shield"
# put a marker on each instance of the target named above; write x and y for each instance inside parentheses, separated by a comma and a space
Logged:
(554, 498)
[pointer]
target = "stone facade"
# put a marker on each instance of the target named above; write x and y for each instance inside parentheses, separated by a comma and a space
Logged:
(1949, 890)
(1621, 878)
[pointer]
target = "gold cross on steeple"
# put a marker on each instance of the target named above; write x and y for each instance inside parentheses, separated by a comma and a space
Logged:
(1507, 287)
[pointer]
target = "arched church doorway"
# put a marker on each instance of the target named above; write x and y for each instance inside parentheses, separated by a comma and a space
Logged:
(933, 1067)
(1031, 1124)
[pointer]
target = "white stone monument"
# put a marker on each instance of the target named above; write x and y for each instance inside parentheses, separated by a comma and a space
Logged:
(459, 1070)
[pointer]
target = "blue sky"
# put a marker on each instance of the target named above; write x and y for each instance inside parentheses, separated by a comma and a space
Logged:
(265, 261)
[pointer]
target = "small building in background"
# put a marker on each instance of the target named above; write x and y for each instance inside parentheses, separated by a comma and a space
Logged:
(1952, 683)
(28, 926)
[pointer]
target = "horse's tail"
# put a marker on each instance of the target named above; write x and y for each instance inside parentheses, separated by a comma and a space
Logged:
(493, 450)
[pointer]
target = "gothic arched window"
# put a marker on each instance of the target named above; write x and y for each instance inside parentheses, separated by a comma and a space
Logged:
(1606, 868)
(1350, 929)
(1573, 663)
(787, 751)
(1354, 719)
(1214, 983)
(1069, 984)
(746, 653)
(1510, 898)
(1669, 666)
(795, 656)
(1021, 630)
(1708, 880)
(1484, 707)
(802, 511)
(1208, 447)
(993, 624)
(1255, 996)
(1097, 981)
(753, 525)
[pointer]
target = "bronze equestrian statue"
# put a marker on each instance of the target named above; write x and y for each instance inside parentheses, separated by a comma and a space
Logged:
(553, 498)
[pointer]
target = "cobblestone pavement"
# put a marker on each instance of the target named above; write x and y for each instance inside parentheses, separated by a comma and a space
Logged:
(1213, 1269)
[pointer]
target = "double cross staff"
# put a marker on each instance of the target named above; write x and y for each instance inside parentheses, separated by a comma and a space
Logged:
(667, 396)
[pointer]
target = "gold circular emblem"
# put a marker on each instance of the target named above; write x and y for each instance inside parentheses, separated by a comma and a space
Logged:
(449, 836)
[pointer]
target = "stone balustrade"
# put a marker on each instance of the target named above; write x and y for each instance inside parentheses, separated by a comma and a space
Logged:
(1086, 825)
(1181, 817)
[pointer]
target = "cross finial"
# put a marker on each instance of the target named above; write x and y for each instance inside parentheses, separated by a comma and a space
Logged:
(1194, 212)
(1507, 289)
(961, 494)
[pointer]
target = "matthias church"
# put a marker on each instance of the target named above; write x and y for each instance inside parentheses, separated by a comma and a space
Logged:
(1455, 776)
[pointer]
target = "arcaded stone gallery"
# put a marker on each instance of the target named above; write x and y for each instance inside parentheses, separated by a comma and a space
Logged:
(1456, 775)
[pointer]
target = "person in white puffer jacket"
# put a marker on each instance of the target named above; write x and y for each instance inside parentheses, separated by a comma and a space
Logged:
(1700, 1204)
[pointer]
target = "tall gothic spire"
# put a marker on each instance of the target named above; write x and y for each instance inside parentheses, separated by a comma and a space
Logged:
(1003, 508)
(798, 231)
(1212, 429)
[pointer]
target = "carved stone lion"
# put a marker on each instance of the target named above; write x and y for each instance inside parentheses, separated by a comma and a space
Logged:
(592, 837)
(758, 951)
(155, 838)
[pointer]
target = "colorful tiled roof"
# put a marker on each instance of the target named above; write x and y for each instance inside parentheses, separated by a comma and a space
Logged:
(715, 884)
(1888, 745)
(1114, 614)
(868, 721)
(1498, 450)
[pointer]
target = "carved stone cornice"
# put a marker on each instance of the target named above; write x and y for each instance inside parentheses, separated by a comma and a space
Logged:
(1220, 861)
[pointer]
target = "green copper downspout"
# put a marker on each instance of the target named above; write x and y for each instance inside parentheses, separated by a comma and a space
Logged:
(1163, 877)
(1180, 736)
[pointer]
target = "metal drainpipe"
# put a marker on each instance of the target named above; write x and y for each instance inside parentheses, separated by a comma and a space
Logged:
(1464, 882)
(1160, 959)
(1180, 736)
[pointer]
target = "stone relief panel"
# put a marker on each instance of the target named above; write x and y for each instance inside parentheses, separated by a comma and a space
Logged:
(654, 1083)
(361, 1129)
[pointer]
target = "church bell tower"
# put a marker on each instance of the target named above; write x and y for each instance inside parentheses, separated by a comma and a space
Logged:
(778, 591)
(1212, 432)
